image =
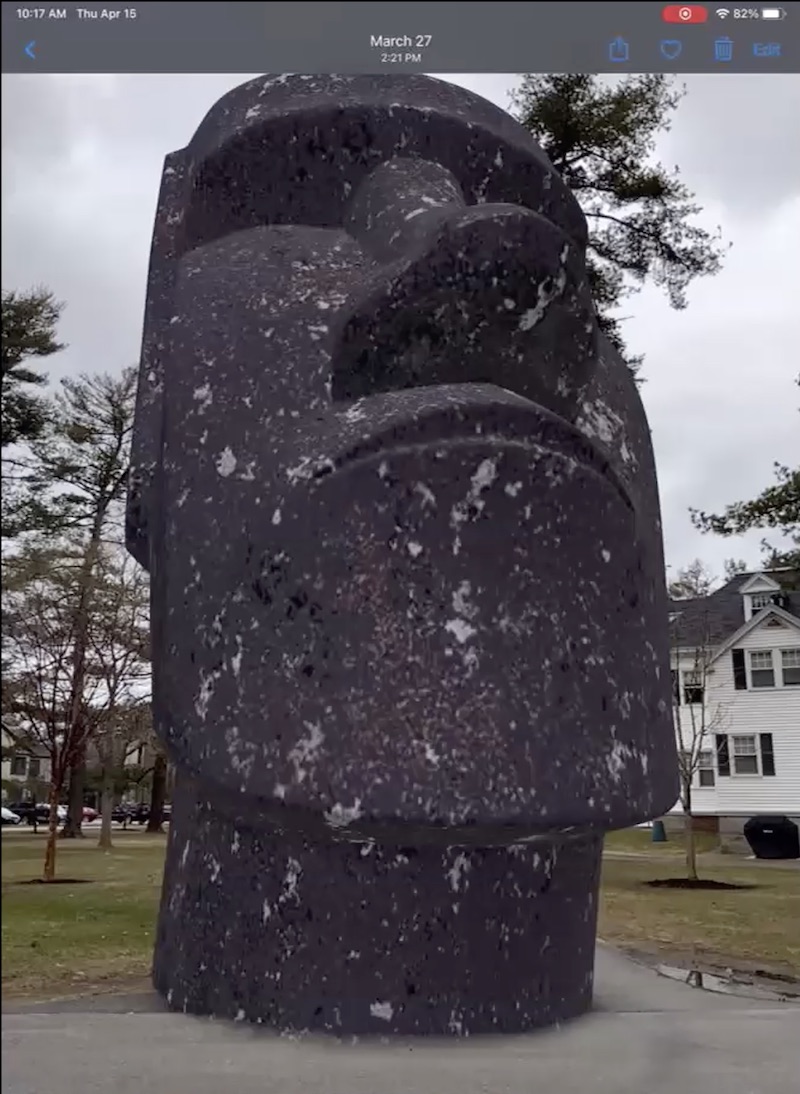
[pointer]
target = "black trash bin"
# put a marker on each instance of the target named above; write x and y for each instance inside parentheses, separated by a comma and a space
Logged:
(773, 837)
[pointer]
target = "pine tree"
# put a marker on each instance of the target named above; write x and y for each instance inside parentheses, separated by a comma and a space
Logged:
(600, 138)
(777, 507)
(29, 322)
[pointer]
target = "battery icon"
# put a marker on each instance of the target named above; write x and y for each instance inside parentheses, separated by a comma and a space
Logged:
(773, 13)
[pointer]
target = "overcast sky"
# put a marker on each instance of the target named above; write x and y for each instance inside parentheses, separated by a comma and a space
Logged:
(82, 159)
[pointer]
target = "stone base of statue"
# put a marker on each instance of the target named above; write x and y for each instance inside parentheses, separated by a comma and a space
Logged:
(362, 938)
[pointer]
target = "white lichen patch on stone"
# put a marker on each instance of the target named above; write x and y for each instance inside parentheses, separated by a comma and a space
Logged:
(472, 505)
(460, 629)
(242, 754)
(291, 880)
(204, 396)
(605, 555)
(617, 759)
(236, 659)
(356, 412)
(205, 693)
(308, 468)
(547, 293)
(455, 1022)
(431, 755)
(599, 421)
(384, 1011)
(305, 753)
(226, 463)
(276, 517)
(414, 548)
(457, 874)
(462, 602)
(340, 816)
(426, 495)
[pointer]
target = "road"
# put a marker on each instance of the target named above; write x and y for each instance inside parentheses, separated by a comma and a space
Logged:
(646, 1034)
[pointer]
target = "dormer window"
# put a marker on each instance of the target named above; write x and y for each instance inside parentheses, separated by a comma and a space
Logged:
(759, 601)
(759, 592)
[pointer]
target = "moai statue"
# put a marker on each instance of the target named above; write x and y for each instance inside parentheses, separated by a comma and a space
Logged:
(397, 500)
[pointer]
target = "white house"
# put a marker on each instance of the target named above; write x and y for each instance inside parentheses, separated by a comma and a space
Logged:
(736, 686)
(25, 769)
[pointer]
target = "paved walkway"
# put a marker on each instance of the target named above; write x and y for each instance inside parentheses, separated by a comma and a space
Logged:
(647, 1035)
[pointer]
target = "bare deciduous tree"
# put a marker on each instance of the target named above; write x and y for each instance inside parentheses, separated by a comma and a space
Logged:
(118, 661)
(698, 718)
(44, 584)
(692, 581)
(41, 590)
(76, 480)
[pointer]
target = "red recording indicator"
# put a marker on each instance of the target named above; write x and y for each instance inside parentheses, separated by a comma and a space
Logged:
(685, 13)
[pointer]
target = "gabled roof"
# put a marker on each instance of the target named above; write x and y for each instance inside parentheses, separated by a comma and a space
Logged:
(713, 620)
(756, 621)
(761, 583)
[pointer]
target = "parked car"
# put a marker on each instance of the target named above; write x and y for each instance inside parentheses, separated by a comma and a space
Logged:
(38, 812)
(10, 817)
(129, 813)
(90, 814)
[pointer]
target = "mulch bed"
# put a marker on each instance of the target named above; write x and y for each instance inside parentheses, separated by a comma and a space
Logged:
(695, 883)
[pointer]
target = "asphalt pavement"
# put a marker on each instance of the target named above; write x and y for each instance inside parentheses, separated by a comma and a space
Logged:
(646, 1035)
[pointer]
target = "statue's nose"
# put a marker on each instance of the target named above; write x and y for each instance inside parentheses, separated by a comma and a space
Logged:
(442, 269)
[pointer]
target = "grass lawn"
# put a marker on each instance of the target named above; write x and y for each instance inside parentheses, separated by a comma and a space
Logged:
(69, 938)
(750, 929)
(64, 939)
(636, 840)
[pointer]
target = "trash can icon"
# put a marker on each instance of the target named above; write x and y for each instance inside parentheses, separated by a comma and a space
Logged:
(774, 837)
(723, 49)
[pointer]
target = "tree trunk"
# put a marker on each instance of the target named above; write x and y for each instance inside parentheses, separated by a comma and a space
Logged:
(49, 872)
(689, 835)
(73, 826)
(158, 794)
(106, 809)
(76, 733)
(691, 851)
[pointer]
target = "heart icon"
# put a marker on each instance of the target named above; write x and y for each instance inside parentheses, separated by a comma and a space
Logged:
(671, 49)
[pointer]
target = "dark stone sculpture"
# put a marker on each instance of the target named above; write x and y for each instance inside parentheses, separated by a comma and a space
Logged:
(397, 499)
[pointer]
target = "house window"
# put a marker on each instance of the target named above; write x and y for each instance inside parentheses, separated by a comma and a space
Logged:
(19, 766)
(759, 601)
(693, 688)
(705, 768)
(790, 667)
(744, 755)
(34, 768)
(762, 671)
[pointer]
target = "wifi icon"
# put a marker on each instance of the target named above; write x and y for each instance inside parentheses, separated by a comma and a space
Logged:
(723, 13)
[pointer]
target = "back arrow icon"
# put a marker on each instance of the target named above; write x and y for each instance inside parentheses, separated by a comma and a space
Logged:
(29, 49)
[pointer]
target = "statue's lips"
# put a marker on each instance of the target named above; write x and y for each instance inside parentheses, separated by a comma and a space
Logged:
(441, 417)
